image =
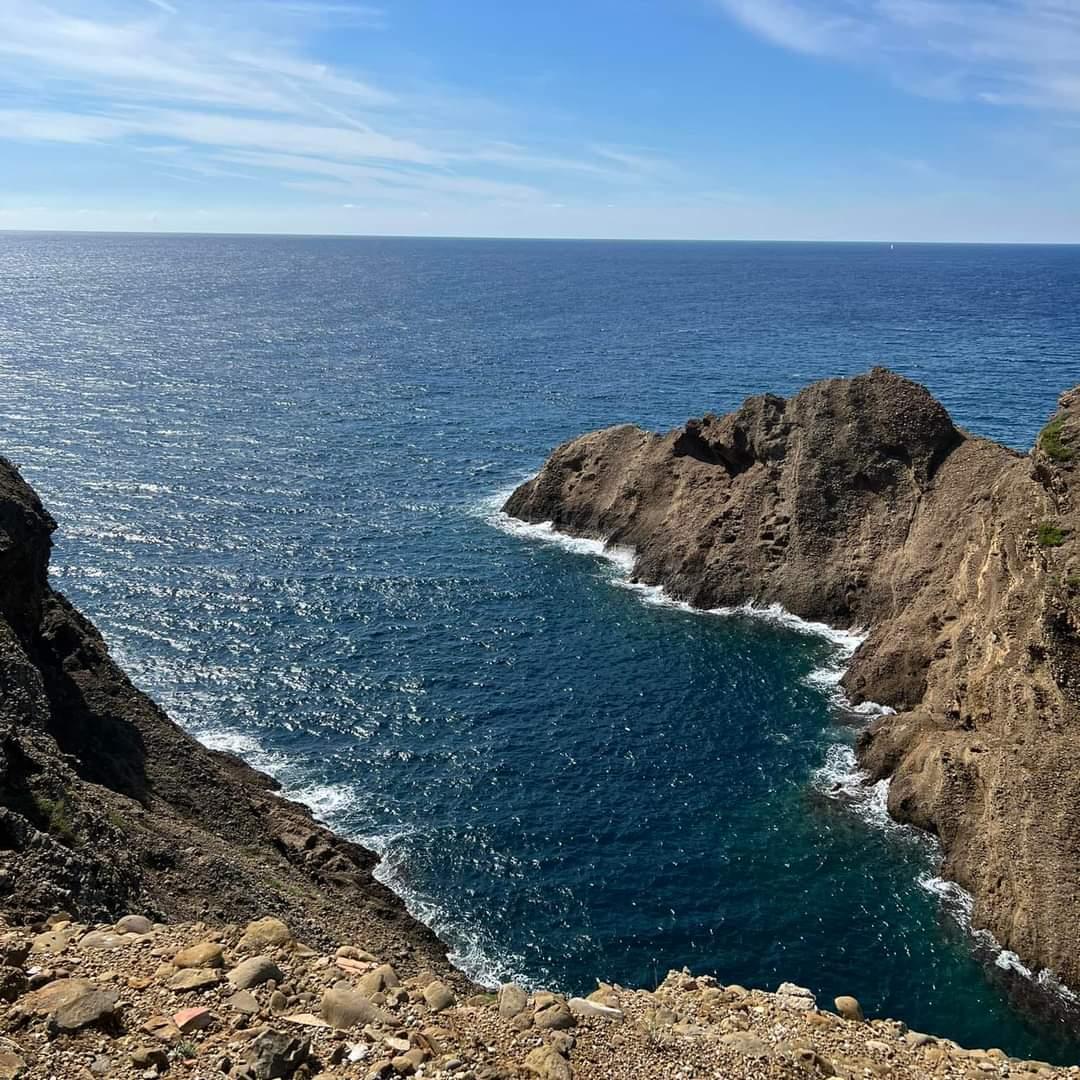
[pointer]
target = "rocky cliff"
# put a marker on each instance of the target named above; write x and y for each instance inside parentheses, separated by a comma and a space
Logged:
(106, 806)
(858, 502)
(131, 856)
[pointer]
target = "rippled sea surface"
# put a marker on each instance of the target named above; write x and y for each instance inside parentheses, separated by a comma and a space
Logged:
(277, 465)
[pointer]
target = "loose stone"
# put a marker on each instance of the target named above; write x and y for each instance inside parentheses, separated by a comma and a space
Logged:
(849, 1008)
(254, 972)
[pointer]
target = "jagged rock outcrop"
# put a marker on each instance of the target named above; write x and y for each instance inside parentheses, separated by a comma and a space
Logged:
(858, 502)
(107, 806)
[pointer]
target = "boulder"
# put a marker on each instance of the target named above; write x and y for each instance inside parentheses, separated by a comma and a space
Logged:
(585, 1007)
(344, 1009)
(103, 940)
(243, 1002)
(383, 978)
(795, 998)
(438, 996)
(194, 979)
(545, 1063)
(553, 1015)
(134, 924)
(406, 1064)
(205, 954)
(162, 1027)
(512, 1000)
(849, 1008)
(265, 933)
(254, 972)
(52, 942)
(11, 1065)
(150, 1057)
(55, 994)
(273, 1055)
(95, 1007)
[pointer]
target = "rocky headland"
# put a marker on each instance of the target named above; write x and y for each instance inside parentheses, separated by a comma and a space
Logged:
(859, 503)
(164, 911)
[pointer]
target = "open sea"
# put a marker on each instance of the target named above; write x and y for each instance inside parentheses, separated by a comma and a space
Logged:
(277, 465)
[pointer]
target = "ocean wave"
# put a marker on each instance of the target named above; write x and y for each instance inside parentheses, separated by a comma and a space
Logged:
(839, 777)
(959, 904)
(327, 802)
(468, 951)
(623, 557)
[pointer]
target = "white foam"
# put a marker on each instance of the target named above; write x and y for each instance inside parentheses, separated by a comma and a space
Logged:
(840, 778)
(467, 950)
(325, 801)
(624, 557)
(957, 902)
(230, 742)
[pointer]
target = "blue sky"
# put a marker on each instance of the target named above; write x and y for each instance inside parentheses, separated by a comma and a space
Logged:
(701, 119)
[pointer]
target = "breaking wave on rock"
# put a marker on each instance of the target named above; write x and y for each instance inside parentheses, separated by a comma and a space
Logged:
(839, 777)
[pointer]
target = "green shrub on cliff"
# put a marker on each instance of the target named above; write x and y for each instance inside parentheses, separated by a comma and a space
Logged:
(1051, 442)
(1050, 535)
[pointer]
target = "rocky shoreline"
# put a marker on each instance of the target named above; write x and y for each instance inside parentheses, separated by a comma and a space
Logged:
(858, 503)
(164, 911)
(137, 1000)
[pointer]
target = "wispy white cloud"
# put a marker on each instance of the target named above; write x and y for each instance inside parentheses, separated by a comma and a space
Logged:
(224, 85)
(1000, 52)
(341, 14)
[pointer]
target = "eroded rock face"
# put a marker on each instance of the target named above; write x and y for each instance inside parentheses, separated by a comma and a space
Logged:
(859, 503)
(107, 807)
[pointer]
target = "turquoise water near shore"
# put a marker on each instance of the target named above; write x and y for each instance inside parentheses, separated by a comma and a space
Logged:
(277, 465)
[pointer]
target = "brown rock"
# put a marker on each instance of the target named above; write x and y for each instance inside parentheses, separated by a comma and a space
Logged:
(265, 933)
(134, 924)
(194, 979)
(344, 1009)
(849, 1008)
(95, 1007)
(56, 994)
(205, 954)
(545, 1063)
(383, 978)
(254, 972)
(858, 502)
(438, 996)
(152, 1057)
(11, 1065)
(512, 1000)
(243, 1002)
(406, 1064)
(585, 1007)
(162, 1027)
(553, 1016)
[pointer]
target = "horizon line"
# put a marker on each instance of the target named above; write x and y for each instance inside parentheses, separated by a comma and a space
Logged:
(537, 239)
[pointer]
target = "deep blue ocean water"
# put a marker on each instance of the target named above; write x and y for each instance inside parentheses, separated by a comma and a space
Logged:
(276, 463)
